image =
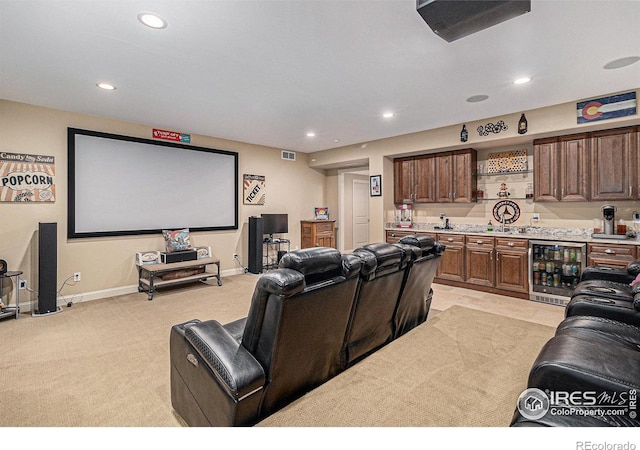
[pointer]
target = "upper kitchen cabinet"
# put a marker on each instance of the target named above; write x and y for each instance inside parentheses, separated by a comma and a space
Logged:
(440, 177)
(574, 168)
(545, 170)
(560, 168)
(414, 179)
(455, 176)
(613, 154)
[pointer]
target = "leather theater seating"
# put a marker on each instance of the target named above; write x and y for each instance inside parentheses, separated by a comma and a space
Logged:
(592, 364)
(311, 318)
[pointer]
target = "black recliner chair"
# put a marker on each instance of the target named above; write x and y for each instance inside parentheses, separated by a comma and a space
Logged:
(415, 299)
(606, 292)
(291, 341)
(383, 271)
(593, 361)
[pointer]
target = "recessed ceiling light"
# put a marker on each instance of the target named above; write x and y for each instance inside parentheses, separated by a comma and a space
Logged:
(622, 62)
(522, 80)
(477, 98)
(336, 140)
(388, 115)
(106, 86)
(152, 20)
(311, 134)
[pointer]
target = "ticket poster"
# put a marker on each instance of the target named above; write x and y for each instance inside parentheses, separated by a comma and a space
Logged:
(254, 190)
(27, 178)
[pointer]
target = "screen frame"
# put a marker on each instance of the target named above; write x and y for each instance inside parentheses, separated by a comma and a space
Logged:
(72, 233)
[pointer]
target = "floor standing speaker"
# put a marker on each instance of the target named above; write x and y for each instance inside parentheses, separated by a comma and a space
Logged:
(256, 233)
(47, 268)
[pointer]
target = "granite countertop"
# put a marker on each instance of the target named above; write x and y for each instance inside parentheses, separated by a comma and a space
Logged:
(534, 233)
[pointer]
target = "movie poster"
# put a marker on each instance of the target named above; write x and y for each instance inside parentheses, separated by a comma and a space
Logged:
(254, 192)
(27, 178)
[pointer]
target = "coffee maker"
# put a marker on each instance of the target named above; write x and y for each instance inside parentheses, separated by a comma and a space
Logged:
(609, 219)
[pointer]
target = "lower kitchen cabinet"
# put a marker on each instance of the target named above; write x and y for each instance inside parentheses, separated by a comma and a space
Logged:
(480, 267)
(512, 265)
(610, 255)
(451, 265)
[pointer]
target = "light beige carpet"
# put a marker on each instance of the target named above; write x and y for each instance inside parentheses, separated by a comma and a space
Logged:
(464, 368)
(106, 363)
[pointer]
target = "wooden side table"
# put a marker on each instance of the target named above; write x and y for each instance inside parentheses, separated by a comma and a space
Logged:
(9, 311)
(317, 233)
(149, 276)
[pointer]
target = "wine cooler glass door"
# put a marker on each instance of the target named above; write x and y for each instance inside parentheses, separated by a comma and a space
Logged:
(555, 270)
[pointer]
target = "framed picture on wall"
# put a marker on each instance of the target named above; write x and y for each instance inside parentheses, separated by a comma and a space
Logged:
(321, 213)
(375, 185)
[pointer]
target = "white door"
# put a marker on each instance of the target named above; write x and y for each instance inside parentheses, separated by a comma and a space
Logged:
(360, 213)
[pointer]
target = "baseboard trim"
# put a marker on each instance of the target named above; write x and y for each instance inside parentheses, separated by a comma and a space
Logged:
(63, 300)
(477, 287)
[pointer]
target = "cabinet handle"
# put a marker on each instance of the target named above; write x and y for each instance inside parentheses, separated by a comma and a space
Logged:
(562, 192)
(450, 239)
(610, 252)
(454, 195)
(491, 255)
(479, 241)
(629, 189)
(511, 244)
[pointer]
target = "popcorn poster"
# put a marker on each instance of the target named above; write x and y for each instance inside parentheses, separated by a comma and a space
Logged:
(27, 178)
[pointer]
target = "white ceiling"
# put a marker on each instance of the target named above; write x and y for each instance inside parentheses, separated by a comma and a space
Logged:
(267, 72)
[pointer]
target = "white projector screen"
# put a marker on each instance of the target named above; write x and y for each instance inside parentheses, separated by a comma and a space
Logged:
(120, 185)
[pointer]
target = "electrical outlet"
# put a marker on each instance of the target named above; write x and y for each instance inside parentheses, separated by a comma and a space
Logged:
(76, 276)
(235, 256)
(441, 215)
(23, 284)
(536, 216)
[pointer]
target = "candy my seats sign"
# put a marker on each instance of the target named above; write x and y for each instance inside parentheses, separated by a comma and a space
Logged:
(27, 178)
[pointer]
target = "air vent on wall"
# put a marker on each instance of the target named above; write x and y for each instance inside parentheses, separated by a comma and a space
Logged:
(290, 156)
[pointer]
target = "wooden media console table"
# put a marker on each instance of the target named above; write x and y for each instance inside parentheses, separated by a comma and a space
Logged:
(150, 275)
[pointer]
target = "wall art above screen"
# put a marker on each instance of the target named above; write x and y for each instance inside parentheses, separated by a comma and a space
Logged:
(121, 185)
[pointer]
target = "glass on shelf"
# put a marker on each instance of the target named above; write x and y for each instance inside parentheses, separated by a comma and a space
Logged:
(509, 172)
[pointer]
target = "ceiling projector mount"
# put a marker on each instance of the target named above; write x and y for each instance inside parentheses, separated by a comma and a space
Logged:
(455, 19)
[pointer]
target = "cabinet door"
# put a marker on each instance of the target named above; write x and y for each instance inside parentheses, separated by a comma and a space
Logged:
(480, 267)
(451, 266)
(403, 183)
(636, 156)
(425, 179)
(512, 270)
(545, 170)
(325, 241)
(464, 183)
(574, 168)
(611, 168)
(444, 191)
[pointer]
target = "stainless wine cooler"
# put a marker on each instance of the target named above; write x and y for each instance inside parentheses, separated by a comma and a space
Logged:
(554, 270)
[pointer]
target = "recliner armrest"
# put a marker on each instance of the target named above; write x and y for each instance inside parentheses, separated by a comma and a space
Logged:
(614, 274)
(234, 367)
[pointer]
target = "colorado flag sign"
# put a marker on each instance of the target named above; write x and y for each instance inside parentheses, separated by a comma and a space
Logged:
(620, 105)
